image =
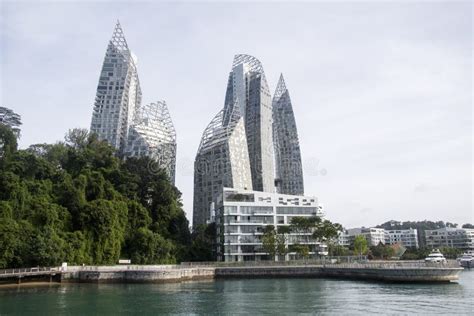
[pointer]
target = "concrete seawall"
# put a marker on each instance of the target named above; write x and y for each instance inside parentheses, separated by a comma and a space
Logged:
(177, 273)
(122, 274)
(367, 273)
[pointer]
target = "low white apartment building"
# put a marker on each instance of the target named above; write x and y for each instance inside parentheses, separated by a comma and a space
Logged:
(373, 235)
(461, 238)
(407, 237)
(343, 239)
(242, 215)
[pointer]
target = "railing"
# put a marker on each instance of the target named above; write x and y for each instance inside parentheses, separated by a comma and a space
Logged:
(354, 262)
(333, 262)
(33, 270)
(123, 267)
(395, 265)
(277, 263)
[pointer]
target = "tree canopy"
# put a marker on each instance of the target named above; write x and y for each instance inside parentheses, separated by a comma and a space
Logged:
(76, 202)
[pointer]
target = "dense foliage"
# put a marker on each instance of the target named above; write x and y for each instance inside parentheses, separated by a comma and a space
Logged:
(75, 202)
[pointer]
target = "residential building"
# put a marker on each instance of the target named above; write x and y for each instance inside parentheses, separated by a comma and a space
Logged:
(248, 92)
(344, 239)
(152, 134)
(461, 238)
(406, 237)
(242, 215)
(373, 235)
(222, 161)
(118, 93)
(289, 170)
(230, 149)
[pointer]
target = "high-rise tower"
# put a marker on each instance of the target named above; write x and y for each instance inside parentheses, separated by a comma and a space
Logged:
(289, 172)
(222, 161)
(152, 134)
(118, 93)
(248, 91)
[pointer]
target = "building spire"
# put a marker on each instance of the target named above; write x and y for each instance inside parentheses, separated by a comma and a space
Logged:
(118, 38)
(281, 88)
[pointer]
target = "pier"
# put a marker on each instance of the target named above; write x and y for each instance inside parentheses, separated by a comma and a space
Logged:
(44, 274)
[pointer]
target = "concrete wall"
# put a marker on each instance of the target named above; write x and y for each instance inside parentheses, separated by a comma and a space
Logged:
(135, 275)
(391, 274)
(160, 274)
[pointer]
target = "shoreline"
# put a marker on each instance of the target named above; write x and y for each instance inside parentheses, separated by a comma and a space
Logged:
(400, 272)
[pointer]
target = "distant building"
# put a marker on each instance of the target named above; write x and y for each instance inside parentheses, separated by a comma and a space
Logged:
(373, 235)
(343, 239)
(118, 93)
(10, 119)
(407, 237)
(242, 215)
(152, 134)
(461, 238)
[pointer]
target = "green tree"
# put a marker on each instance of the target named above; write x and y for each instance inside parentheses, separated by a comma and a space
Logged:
(76, 201)
(203, 243)
(104, 222)
(382, 251)
(338, 250)
(8, 145)
(302, 251)
(360, 245)
(269, 241)
(146, 247)
(281, 239)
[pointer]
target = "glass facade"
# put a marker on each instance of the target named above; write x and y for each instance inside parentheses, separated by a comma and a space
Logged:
(248, 91)
(152, 134)
(221, 161)
(289, 171)
(119, 118)
(118, 93)
(238, 147)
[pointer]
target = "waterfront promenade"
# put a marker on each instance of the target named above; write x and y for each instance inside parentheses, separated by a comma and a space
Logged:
(391, 271)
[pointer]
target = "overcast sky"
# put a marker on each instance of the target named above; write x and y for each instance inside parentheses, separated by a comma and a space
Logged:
(382, 93)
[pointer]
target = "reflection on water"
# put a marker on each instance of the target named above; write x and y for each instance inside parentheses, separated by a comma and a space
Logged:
(260, 296)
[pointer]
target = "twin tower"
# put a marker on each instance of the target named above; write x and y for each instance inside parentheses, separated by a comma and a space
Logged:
(251, 144)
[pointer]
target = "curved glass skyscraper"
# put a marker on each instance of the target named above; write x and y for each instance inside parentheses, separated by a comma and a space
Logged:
(247, 89)
(152, 134)
(120, 119)
(252, 144)
(222, 161)
(289, 171)
(118, 93)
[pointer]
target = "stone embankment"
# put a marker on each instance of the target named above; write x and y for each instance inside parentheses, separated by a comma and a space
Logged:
(352, 271)
(391, 271)
(136, 274)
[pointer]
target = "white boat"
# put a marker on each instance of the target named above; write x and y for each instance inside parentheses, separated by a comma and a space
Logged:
(466, 260)
(435, 256)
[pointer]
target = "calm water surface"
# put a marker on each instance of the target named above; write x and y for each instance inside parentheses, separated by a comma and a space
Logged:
(261, 296)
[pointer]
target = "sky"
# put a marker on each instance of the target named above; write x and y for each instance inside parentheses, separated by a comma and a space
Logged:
(382, 91)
